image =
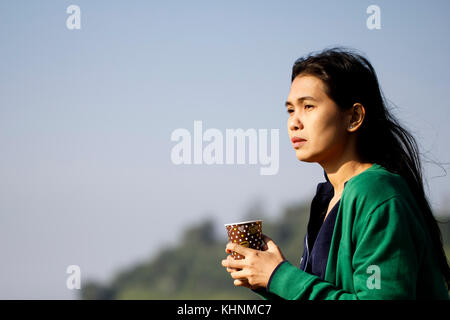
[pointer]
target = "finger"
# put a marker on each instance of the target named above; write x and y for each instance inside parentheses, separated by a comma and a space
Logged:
(233, 269)
(229, 246)
(269, 242)
(241, 283)
(226, 247)
(239, 249)
(230, 262)
(239, 275)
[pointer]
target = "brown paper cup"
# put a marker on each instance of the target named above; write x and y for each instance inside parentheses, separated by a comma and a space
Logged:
(246, 233)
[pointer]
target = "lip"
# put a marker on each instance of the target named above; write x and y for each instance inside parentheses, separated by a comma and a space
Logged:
(297, 139)
(297, 142)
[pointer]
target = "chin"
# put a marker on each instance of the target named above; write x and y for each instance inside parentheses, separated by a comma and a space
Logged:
(302, 156)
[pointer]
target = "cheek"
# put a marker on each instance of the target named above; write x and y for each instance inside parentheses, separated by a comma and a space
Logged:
(326, 134)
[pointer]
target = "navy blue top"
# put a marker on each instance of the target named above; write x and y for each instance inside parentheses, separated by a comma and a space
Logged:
(319, 233)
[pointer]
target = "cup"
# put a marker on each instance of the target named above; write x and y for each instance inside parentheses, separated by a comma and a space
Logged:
(246, 233)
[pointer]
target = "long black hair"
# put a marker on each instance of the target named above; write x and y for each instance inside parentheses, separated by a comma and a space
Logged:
(349, 78)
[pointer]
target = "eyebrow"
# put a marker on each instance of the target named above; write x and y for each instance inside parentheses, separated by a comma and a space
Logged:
(299, 100)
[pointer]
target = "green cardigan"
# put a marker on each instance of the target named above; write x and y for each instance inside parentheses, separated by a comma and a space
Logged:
(380, 248)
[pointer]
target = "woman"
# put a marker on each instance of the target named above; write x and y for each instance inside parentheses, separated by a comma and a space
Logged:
(371, 233)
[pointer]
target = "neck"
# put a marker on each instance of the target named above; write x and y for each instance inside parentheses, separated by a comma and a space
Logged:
(339, 172)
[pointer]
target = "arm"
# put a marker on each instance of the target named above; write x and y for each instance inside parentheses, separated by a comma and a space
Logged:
(385, 261)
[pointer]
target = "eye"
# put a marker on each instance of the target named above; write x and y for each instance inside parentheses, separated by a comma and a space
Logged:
(308, 106)
(289, 110)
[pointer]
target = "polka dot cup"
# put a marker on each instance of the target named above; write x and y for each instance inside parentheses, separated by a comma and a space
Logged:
(246, 233)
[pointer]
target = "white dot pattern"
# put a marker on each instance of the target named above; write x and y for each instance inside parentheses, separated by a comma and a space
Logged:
(247, 235)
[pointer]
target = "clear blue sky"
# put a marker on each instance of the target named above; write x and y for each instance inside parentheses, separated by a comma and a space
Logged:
(86, 117)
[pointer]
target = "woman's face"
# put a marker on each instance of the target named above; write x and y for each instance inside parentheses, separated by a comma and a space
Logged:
(313, 116)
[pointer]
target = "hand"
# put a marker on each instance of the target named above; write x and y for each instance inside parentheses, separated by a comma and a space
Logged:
(255, 269)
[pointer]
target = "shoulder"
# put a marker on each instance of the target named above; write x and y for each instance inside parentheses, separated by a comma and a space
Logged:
(383, 200)
(377, 185)
(376, 188)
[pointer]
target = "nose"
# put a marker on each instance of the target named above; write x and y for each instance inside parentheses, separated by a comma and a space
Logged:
(294, 123)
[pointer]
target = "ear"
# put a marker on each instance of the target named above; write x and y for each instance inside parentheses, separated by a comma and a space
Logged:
(357, 113)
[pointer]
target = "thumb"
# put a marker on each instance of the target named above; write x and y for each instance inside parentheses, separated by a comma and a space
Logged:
(270, 244)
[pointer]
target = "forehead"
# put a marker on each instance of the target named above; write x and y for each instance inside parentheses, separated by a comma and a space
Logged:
(307, 85)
